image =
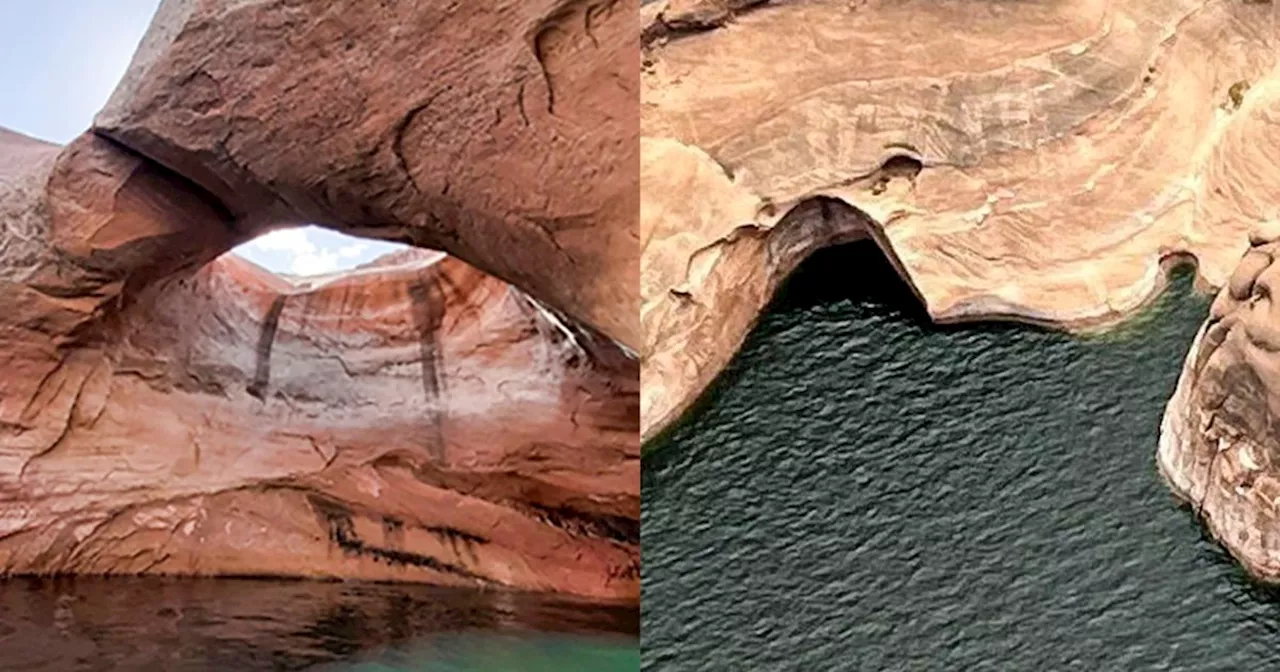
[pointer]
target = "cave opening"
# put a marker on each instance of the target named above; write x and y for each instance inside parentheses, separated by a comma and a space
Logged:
(860, 271)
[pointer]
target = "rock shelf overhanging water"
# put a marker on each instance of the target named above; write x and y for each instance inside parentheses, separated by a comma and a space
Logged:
(469, 419)
(1040, 166)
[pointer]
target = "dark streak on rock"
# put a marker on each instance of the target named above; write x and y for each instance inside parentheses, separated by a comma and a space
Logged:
(392, 531)
(617, 528)
(540, 55)
(524, 114)
(589, 16)
(455, 538)
(266, 339)
(338, 518)
(701, 17)
(428, 313)
(455, 534)
(628, 572)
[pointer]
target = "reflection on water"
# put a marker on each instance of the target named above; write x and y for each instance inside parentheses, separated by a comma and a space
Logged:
(870, 492)
(232, 624)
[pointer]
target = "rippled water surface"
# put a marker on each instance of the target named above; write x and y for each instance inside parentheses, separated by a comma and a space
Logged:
(868, 492)
(245, 625)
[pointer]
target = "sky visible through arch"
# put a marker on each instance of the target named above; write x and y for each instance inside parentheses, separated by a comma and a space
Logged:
(59, 62)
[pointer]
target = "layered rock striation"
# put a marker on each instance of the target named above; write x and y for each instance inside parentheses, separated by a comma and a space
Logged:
(1040, 162)
(412, 420)
(168, 409)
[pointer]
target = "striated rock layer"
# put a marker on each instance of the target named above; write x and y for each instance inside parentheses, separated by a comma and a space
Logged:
(165, 412)
(1028, 161)
(1220, 438)
(161, 411)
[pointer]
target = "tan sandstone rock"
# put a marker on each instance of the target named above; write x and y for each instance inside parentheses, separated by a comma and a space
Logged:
(502, 132)
(165, 412)
(1028, 161)
(1220, 438)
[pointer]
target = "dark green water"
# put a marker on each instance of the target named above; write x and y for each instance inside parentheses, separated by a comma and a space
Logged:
(869, 492)
(227, 625)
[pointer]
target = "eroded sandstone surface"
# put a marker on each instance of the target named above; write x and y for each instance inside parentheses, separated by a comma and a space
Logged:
(167, 409)
(413, 420)
(1028, 161)
(1220, 441)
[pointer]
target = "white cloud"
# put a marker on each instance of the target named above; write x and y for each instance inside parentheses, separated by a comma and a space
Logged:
(353, 250)
(310, 250)
(285, 240)
(314, 263)
(302, 255)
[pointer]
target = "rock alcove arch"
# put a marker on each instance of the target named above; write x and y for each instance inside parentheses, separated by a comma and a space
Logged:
(1066, 155)
(1071, 153)
(169, 409)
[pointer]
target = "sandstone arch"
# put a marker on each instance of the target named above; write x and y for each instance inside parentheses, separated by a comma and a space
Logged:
(167, 410)
(1067, 149)
(503, 133)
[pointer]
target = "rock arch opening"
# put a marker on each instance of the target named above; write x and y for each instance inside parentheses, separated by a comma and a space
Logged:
(176, 409)
(169, 408)
(757, 259)
(822, 222)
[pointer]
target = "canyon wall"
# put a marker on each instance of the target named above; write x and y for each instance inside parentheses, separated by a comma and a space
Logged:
(412, 420)
(167, 409)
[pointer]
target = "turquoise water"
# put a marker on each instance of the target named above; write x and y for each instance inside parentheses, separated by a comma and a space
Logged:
(244, 625)
(492, 653)
(866, 491)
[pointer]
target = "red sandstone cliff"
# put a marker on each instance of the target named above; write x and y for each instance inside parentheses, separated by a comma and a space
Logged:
(503, 132)
(161, 411)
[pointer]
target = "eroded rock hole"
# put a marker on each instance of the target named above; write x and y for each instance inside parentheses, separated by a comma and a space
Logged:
(898, 167)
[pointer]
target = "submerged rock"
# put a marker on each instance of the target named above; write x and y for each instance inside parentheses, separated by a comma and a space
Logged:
(1029, 161)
